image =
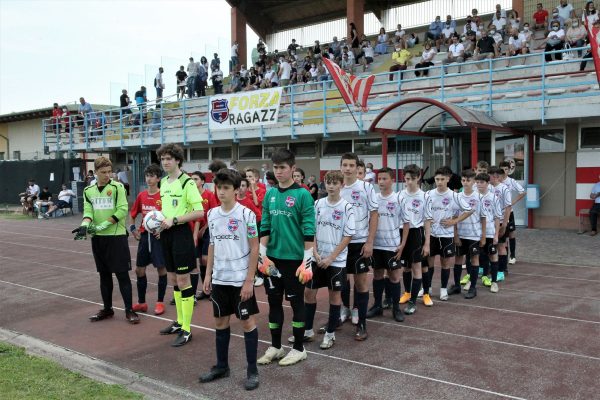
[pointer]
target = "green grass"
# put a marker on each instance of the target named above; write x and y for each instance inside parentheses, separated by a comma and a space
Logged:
(27, 377)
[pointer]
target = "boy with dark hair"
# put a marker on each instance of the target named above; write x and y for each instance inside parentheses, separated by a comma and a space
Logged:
(491, 207)
(245, 200)
(334, 229)
(287, 241)
(232, 261)
(444, 209)
(360, 250)
(149, 248)
(503, 196)
(201, 233)
(469, 236)
(104, 214)
(181, 203)
(482, 167)
(388, 246)
(256, 194)
(513, 186)
(417, 243)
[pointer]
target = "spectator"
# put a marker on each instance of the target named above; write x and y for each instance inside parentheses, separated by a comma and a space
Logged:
(468, 42)
(234, 55)
(565, 11)
(273, 76)
(316, 50)
(192, 70)
(293, 47)
(370, 175)
(56, 117)
(125, 102)
(123, 178)
(346, 64)
(556, 17)
(264, 169)
(64, 201)
(369, 55)
(500, 10)
(159, 84)
(181, 76)
(140, 98)
(486, 48)
(412, 40)
(400, 59)
(217, 79)
(527, 34)
(285, 71)
(90, 178)
(399, 34)
(202, 78)
(450, 21)
(588, 54)
(498, 40)
(475, 17)
(216, 61)
(554, 41)
(86, 113)
(499, 23)
(595, 210)
(589, 13)
(30, 195)
(261, 46)
(427, 57)
(513, 21)
(382, 42)
(456, 54)
(540, 16)
(313, 187)
(350, 53)
(470, 25)
(67, 119)
(354, 38)
(447, 33)
(336, 47)
(44, 200)
(435, 32)
(517, 45)
(576, 35)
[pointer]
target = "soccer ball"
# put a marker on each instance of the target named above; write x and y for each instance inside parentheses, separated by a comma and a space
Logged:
(152, 221)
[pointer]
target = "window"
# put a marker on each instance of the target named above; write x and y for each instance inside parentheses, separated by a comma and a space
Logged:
(199, 154)
(270, 149)
(250, 152)
(404, 146)
(337, 147)
(16, 155)
(304, 149)
(1, 156)
(590, 138)
(550, 140)
(221, 153)
(438, 146)
(367, 147)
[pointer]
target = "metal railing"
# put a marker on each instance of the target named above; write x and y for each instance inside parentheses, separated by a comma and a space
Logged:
(319, 104)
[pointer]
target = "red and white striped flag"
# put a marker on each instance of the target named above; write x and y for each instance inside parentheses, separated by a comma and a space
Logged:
(355, 91)
(594, 37)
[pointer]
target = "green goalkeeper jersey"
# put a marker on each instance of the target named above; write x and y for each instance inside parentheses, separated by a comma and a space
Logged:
(289, 221)
(102, 203)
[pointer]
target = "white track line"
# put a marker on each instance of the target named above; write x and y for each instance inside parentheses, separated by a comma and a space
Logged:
(555, 277)
(551, 294)
(55, 237)
(378, 367)
(54, 249)
(391, 324)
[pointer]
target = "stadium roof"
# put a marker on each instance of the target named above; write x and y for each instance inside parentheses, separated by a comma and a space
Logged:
(45, 112)
(270, 16)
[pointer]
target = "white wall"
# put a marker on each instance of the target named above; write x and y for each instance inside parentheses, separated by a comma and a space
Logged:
(26, 137)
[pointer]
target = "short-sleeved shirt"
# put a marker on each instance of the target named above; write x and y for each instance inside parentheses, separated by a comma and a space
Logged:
(513, 185)
(387, 235)
(249, 204)
(456, 49)
(45, 195)
(486, 44)
(499, 23)
(441, 206)
(517, 43)
(33, 190)
(229, 234)
(540, 16)
(333, 223)
(124, 100)
(181, 75)
(85, 108)
(363, 198)
(65, 195)
(491, 208)
(401, 57)
(180, 196)
(502, 193)
(144, 203)
(470, 227)
(448, 31)
(413, 208)
(596, 189)
(565, 12)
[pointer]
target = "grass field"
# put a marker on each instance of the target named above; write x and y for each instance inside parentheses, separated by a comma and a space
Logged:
(27, 377)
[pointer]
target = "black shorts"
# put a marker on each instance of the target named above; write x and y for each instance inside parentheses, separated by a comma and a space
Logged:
(288, 284)
(468, 248)
(502, 239)
(441, 246)
(332, 278)
(413, 251)
(385, 259)
(490, 248)
(63, 204)
(178, 249)
(111, 253)
(355, 263)
(203, 243)
(149, 252)
(227, 300)
(511, 227)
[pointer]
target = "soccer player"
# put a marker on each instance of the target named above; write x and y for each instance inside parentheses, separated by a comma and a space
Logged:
(256, 192)
(149, 248)
(360, 250)
(513, 186)
(245, 200)
(388, 245)
(503, 196)
(104, 215)
(232, 261)
(181, 203)
(287, 241)
(491, 207)
(469, 236)
(334, 229)
(482, 167)
(444, 209)
(413, 210)
(201, 233)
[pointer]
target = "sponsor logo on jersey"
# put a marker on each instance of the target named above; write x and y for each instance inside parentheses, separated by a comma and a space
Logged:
(232, 225)
(175, 202)
(290, 201)
(337, 215)
(445, 201)
(355, 195)
(272, 199)
(391, 206)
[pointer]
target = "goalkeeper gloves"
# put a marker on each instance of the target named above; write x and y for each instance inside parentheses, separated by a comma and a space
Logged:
(81, 232)
(304, 271)
(266, 266)
(102, 226)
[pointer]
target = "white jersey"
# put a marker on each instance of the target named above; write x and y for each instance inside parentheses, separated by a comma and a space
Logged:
(470, 228)
(363, 198)
(440, 206)
(229, 234)
(513, 185)
(490, 206)
(413, 208)
(387, 235)
(333, 223)
(502, 193)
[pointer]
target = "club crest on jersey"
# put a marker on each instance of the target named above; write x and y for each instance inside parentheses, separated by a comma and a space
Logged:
(445, 201)
(109, 193)
(391, 207)
(337, 215)
(355, 195)
(251, 230)
(487, 203)
(416, 203)
(159, 203)
(219, 110)
(232, 225)
(290, 201)
(472, 203)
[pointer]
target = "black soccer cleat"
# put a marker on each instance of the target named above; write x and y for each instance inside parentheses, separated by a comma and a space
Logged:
(410, 309)
(132, 317)
(171, 329)
(398, 315)
(102, 314)
(471, 293)
(214, 374)
(182, 338)
(361, 333)
(251, 381)
(455, 289)
(375, 311)
(387, 303)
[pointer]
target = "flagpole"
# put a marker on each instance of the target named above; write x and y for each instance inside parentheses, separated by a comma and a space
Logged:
(360, 130)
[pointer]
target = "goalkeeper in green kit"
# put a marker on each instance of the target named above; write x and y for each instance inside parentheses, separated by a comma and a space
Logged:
(104, 216)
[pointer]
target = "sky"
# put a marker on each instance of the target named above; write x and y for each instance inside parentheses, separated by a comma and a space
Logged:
(57, 51)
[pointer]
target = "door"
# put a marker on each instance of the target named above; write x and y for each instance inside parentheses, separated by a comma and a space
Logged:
(512, 148)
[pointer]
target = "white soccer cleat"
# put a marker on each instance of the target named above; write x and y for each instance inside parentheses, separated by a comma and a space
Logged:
(443, 294)
(309, 336)
(494, 287)
(271, 355)
(328, 341)
(512, 261)
(420, 294)
(344, 314)
(467, 286)
(293, 357)
(354, 316)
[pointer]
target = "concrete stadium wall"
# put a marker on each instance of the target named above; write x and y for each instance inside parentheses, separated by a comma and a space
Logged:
(26, 137)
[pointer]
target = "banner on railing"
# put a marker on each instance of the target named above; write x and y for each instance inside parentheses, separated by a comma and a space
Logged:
(244, 109)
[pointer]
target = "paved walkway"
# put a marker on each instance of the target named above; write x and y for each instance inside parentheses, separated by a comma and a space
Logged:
(550, 246)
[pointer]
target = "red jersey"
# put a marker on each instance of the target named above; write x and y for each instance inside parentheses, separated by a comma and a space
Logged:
(209, 200)
(144, 203)
(540, 16)
(57, 113)
(261, 185)
(306, 187)
(260, 195)
(248, 203)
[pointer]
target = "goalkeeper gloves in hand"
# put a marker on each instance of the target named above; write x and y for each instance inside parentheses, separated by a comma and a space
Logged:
(304, 271)
(80, 232)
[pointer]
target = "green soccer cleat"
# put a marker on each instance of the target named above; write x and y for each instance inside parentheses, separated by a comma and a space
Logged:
(465, 279)
(487, 281)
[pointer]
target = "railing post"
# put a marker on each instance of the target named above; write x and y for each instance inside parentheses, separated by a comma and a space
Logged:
(184, 123)
(103, 122)
(121, 127)
(142, 115)
(85, 128)
(325, 134)
(162, 132)
(209, 138)
(442, 94)
(543, 107)
(292, 126)
(490, 91)
(45, 134)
